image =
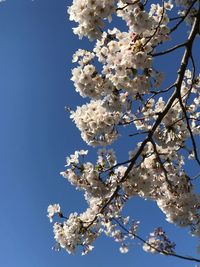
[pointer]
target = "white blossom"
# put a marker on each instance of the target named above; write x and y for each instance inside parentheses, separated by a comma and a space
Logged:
(124, 87)
(52, 210)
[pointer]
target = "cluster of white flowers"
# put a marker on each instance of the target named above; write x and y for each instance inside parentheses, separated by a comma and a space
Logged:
(106, 157)
(173, 131)
(71, 233)
(126, 91)
(127, 66)
(122, 57)
(84, 228)
(142, 22)
(158, 242)
(174, 195)
(89, 15)
(84, 175)
(52, 210)
(96, 123)
(75, 157)
(166, 183)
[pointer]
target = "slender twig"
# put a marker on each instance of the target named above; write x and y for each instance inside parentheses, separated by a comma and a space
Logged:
(169, 50)
(183, 18)
(176, 18)
(163, 91)
(190, 130)
(195, 177)
(158, 92)
(194, 67)
(162, 252)
(158, 26)
(138, 133)
(127, 4)
(145, 2)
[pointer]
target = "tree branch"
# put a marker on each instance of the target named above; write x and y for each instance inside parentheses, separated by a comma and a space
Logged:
(183, 18)
(162, 252)
(190, 130)
(168, 50)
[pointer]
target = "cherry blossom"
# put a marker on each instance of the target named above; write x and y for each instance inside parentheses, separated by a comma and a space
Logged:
(126, 89)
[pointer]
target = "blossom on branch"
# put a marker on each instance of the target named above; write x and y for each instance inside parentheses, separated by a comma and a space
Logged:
(125, 88)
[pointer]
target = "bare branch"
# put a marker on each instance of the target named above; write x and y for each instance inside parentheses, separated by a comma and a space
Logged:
(176, 18)
(169, 50)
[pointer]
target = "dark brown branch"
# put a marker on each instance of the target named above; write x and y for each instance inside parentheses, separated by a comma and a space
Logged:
(127, 4)
(138, 133)
(176, 18)
(190, 130)
(157, 27)
(162, 252)
(169, 50)
(163, 91)
(194, 68)
(183, 18)
(158, 92)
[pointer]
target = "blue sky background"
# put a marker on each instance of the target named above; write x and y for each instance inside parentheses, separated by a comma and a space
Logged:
(35, 137)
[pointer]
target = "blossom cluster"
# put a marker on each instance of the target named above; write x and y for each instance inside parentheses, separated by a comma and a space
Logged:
(119, 78)
(173, 130)
(84, 228)
(127, 70)
(89, 15)
(160, 177)
(159, 242)
(96, 123)
(173, 193)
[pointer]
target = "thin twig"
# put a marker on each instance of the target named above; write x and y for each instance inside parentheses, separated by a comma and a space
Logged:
(138, 133)
(195, 177)
(176, 18)
(190, 130)
(158, 26)
(183, 18)
(158, 92)
(169, 50)
(127, 4)
(162, 252)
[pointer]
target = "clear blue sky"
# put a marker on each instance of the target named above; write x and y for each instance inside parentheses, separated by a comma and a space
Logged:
(35, 137)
